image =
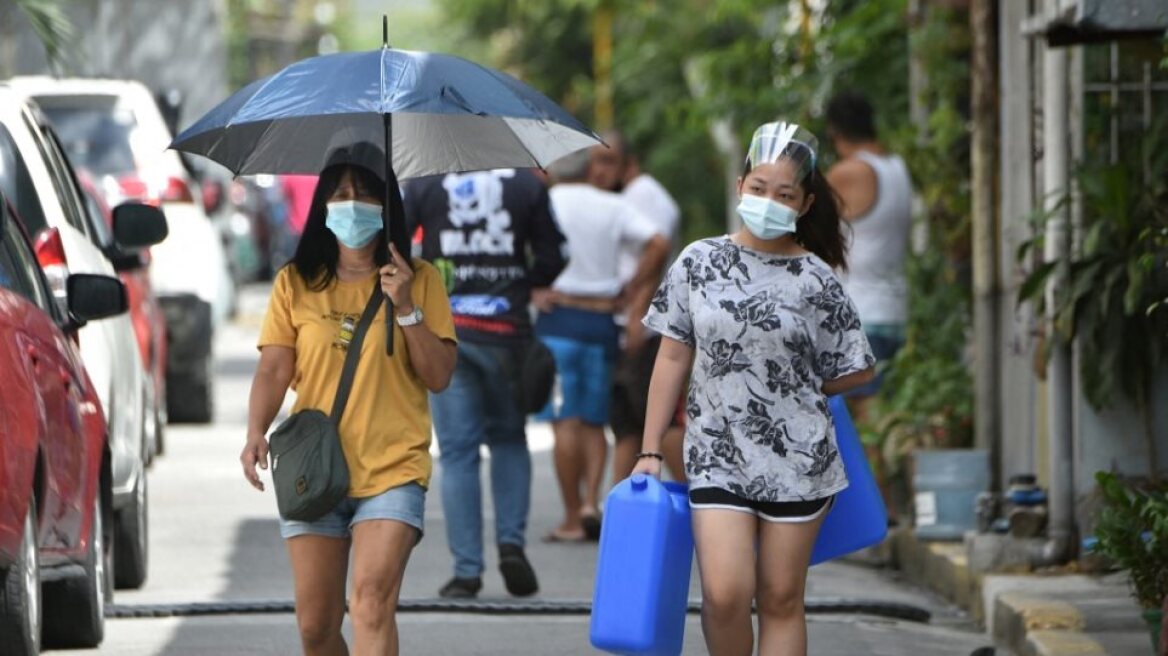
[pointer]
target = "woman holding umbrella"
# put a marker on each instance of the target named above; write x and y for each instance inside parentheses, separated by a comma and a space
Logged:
(385, 428)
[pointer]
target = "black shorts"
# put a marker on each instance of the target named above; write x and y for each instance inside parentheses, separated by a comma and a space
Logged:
(630, 390)
(772, 511)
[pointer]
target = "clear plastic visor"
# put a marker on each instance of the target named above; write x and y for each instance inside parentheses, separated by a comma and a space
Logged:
(782, 141)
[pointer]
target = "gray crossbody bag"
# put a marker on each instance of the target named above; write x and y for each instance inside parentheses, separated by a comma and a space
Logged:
(308, 463)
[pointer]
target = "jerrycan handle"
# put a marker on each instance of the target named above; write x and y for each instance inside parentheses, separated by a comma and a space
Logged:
(639, 482)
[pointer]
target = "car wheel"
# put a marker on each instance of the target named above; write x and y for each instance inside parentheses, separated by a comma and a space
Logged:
(131, 544)
(20, 596)
(76, 605)
(190, 397)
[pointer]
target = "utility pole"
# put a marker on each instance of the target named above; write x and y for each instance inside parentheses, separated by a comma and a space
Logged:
(602, 64)
(983, 156)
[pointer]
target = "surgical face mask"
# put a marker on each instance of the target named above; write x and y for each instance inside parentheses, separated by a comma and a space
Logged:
(354, 223)
(765, 218)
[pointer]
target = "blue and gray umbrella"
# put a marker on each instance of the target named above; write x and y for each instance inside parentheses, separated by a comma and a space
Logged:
(422, 113)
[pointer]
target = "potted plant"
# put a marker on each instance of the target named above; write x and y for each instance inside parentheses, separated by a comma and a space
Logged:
(1132, 532)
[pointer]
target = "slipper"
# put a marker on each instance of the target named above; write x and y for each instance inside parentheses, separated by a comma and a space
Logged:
(554, 536)
(591, 525)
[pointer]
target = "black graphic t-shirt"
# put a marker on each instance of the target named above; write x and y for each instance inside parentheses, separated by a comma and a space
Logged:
(767, 331)
(492, 237)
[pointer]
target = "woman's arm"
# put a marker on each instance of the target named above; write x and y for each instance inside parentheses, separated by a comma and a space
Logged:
(850, 381)
(670, 372)
(432, 358)
(272, 377)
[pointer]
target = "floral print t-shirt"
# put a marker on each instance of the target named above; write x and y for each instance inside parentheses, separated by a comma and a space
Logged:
(767, 331)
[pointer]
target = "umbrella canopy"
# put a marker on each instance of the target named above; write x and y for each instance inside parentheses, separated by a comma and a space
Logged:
(446, 114)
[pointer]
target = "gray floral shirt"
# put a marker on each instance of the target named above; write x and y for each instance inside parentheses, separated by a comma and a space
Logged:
(767, 331)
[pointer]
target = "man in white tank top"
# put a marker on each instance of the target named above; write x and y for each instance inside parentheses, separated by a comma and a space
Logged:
(876, 195)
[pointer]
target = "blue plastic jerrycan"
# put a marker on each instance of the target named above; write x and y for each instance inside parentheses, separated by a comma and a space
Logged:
(643, 568)
(858, 518)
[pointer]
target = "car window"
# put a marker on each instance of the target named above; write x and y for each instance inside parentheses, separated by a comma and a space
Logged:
(102, 233)
(94, 131)
(58, 172)
(18, 268)
(16, 184)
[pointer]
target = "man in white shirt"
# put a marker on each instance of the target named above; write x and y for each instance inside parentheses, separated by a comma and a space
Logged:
(580, 331)
(614, 167)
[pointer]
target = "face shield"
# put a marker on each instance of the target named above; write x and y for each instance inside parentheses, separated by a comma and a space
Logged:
(779, 142)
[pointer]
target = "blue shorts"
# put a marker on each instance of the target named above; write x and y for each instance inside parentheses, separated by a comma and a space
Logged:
(405, 503)
(885, 339)
(583, 381)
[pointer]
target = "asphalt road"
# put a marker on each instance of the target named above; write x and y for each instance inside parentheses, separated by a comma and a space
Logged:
(213, 538)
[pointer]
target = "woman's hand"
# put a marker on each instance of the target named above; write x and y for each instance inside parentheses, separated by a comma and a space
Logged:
(254, 452)
(648, 465)
(397, 278)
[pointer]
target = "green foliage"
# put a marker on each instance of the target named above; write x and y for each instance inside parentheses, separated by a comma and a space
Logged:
(52, 27)
(1132, 531)
(927, 398)
(1114, 299)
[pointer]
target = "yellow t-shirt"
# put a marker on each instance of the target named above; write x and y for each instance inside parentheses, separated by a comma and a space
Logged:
(385, 429)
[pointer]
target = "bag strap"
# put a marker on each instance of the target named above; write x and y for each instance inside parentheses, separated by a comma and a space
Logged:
(354, 354)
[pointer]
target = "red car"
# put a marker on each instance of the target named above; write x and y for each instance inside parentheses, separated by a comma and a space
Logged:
(145, 311)
(55, 521)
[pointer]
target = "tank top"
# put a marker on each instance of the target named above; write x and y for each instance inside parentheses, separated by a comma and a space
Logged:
(879, 243)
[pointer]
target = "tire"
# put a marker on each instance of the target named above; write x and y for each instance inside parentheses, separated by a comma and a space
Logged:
(190, 398)
(20, 594)
(131, 540)
(76, 606)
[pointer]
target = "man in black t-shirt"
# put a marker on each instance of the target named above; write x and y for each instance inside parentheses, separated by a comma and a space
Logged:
(492, 236)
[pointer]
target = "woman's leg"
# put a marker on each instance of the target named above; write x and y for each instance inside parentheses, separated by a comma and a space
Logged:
(725, 547)
(381, 548)
(784, 554)
(319, 564)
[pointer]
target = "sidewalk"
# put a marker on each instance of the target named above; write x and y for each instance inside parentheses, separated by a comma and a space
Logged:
(1039, 614)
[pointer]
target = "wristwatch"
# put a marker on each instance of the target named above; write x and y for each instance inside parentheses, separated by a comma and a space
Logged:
(412, 319)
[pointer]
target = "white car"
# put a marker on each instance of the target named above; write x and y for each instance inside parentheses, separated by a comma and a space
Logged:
(37, 179)
(115, 130)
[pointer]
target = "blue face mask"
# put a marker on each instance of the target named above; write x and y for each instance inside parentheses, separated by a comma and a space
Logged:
(354, 223)
(765, 218)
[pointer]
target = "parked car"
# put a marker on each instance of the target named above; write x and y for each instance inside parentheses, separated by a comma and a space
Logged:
(145, 311)
(114, 128)
(38, 181)
(55, 495)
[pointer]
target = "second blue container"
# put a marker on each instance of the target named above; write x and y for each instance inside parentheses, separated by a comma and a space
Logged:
(642, 572)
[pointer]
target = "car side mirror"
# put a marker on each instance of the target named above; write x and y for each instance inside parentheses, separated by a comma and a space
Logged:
(92, 297)
(138, 226)
(127, 261)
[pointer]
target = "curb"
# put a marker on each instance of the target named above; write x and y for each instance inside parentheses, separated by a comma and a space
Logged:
(1029, 624)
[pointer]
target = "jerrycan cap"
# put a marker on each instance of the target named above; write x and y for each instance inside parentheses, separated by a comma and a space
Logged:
(640, 482)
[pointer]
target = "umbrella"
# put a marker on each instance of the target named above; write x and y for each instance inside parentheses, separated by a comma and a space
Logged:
(427, 113)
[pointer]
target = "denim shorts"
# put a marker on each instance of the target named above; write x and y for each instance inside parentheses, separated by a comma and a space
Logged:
(583, 382)
(405, 503)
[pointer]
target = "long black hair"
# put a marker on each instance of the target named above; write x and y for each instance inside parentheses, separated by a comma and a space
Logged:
(317, 252)
(820, 230)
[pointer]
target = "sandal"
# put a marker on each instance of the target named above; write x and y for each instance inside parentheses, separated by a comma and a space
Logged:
(555, 535)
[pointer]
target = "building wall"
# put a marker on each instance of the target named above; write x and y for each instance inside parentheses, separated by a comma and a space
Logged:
(167, 44)
(1113, 439)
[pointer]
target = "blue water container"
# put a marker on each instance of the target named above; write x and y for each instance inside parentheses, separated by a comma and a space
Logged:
(946, 483)
(642, 571)
(858, 518)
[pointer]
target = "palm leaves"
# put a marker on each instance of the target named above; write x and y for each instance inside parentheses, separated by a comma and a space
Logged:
(52, 27)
